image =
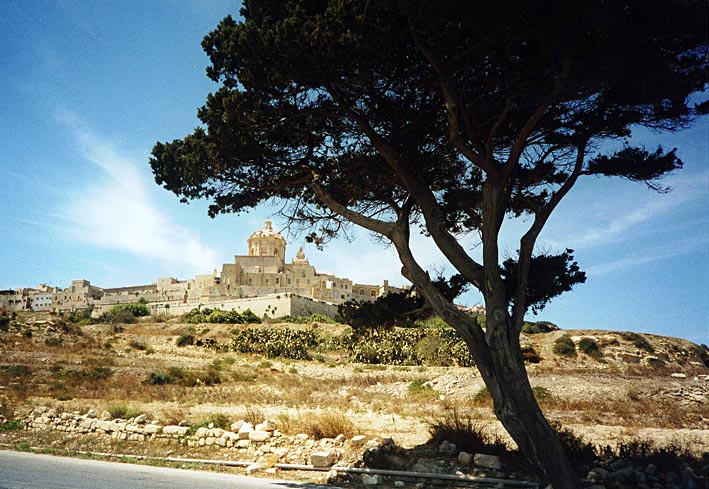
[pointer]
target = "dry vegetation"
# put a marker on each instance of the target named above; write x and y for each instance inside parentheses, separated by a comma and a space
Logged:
(618, 390)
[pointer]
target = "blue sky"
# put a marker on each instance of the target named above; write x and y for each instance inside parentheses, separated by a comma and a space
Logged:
(87, 88)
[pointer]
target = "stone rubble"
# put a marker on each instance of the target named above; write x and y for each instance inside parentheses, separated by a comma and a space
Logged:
(264, 446)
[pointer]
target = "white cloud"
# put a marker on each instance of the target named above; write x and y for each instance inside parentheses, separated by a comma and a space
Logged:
(117, 212)
(658, 254)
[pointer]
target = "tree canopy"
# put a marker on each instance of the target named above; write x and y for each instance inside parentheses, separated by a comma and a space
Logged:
(450, 116)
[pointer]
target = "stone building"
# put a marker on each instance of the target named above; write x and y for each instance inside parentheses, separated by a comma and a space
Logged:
(262, 273)
(261, 280)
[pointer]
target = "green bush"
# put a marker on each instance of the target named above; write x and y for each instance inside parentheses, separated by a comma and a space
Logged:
(11, 425)
(207, 315)
(122, 411)
(4, 321)
(638, 340)
(542, 393)
(530, 355)
(160, 378)
(185, 339)
(564, 346)
(539, 327)
(590, 348)
(273, 343)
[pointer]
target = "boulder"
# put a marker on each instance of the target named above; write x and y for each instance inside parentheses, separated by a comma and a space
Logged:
(487, 461)
(358, 440)
(267, 425)
(322, 459)
(259, 435)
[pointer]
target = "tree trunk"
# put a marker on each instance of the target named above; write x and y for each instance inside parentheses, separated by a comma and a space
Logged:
(517, 408)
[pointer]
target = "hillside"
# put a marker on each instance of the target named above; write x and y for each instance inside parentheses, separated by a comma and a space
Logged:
(615, 387)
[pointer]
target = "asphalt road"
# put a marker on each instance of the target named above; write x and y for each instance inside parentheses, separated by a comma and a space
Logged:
(19, 470)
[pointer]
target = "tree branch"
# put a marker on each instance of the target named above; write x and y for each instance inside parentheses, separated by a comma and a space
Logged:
(454, 109)
(423, 196)
(529, 239)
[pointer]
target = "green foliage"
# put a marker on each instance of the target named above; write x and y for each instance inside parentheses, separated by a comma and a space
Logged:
(185, 339)
(207, 315)
(590, 347)
(564, 346)
(160, 378)
(14, 371)
(482, 396)
(123, 411)
(542, 393)
(538, 327)
(313, 318)
(53, 341)
(276, 342)
(125, 313)
(530, 355)
(421, 388)
(638, 340)
(11, 425)
(385, 311)
(95, 374)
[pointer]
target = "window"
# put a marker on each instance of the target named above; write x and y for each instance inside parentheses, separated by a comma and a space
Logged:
(373, 293)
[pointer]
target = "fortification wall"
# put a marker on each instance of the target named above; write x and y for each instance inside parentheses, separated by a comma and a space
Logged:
(273, 305)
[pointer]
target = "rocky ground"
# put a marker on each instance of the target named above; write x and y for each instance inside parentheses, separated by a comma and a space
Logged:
(56, 380)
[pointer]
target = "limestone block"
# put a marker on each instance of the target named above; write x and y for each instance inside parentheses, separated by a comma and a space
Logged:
(52, 413)
(488, 461)
(243, 444)
(91, 413)
(259, 435)
(465, 458)
(175, 430)
(322, 459)
(339, 439)
(267, 425)
(302, 436)
(152, 429)
(201, 432)
(244, 431)
(220, 442)
(141, 419)
(235, 426)
(134, 428)
(105, 416)
(678, 375)
(371, 480)
(254, 468)
(230, 435)
(210, 440)
(217, 432)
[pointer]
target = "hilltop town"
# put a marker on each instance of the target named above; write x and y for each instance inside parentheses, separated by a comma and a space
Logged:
(260, 281)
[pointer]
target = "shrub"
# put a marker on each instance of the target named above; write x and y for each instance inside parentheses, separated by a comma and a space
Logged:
(542, 393)
(160, 378)
(207, 315)
(482, 396)
(4, 321)
(590, 348)
(580, 452)
(638, 340)
(185, 339)
(11, 425)
(530, 355)
(540, 327)
(328, 424)
(420, 387)
(564, 346)
(466, 433)
(138, 345)
(123, 411)
(53, 341)
(645, 452)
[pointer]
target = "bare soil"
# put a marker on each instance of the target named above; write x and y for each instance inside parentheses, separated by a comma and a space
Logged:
(627, 394)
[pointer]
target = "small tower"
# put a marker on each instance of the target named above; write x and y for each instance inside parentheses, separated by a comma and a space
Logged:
(267, 242)
(300, 258)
